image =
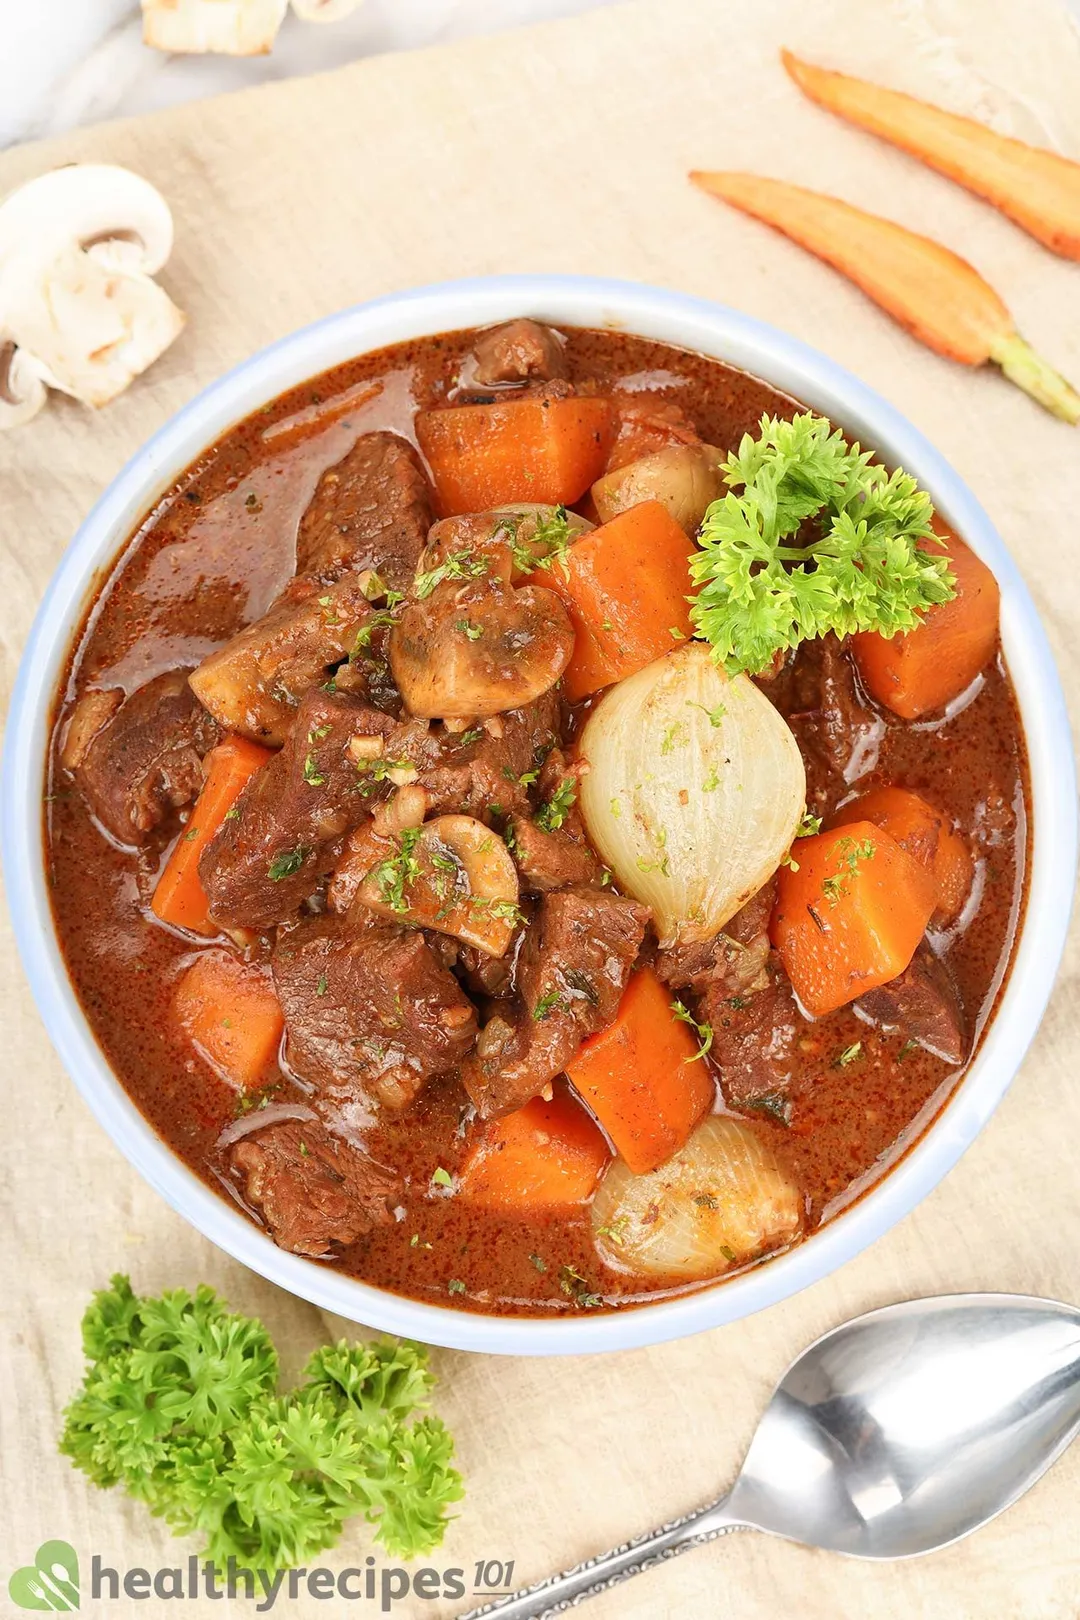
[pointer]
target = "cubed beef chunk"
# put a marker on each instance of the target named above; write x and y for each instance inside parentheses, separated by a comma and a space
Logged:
(820, 698)
(312, 1189)
(732, 963)
(253, 684)
(551, 860)
(646, 425)
(478, 772)
(286, 830)
(371, 510)
(145, 758)
(371, 1013)
(755, 1040)
(573, 970)
(519, 351)
(924, 1004)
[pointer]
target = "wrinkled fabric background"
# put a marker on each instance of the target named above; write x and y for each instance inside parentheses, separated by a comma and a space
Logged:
(565, 147)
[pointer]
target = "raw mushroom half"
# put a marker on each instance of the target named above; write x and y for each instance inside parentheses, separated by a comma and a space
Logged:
(79, 309)
(229, 27)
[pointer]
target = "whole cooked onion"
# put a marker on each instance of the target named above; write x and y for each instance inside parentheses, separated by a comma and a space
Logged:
(694, 790)
(685, 478)
(720, 1201)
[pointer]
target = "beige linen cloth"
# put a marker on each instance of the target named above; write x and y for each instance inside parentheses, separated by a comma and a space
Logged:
(565, 148)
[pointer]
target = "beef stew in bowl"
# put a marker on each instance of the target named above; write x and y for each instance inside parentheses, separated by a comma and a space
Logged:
(440, 899)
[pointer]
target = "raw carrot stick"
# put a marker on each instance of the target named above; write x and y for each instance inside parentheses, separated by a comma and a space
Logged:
(1040, 190)
(231, 1015)
(625, 586)
(180, 898)
(937, 296)
(850, 917)
(547, 1155)
(547, 450)
(920, 670)
(924, 832)
(640, 1078)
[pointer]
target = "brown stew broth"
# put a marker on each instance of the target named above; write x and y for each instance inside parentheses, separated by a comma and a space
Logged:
(211, 558)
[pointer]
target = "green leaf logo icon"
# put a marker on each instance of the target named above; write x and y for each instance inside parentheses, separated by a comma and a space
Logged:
(50, 1582)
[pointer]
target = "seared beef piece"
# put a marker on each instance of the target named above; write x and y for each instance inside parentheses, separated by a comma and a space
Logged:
(253, 684)
(370, 1011)
(551, 860)
(573, 970)
(733, 962)
(312, 1189)
(519, 351)
(924, 1004)
(824, 709)
(286, 829)
(146, 759)
(755, 1040)
(371, 510)
(473, 772)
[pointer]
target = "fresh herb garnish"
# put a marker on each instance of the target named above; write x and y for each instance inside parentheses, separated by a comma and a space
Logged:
(716, 716)
(459, 565)
(573, 1283)
(455, 1286)
(287, 863)
(467, 628)
(849, 1054)
(863, 567)
(312, 774)
(441, 1177)
(808, 826)
(547, 1004)
(554, 811)
(546, 546)
(397, 872)
(704, 1032)
(538, 1262)
(179, 1406)
(382, 620)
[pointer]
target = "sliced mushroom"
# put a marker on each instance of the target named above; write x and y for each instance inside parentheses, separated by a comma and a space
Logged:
(476, 649)
(453, 875)
(79, 309)
(686, 478)
(231, 27)
(513, 541)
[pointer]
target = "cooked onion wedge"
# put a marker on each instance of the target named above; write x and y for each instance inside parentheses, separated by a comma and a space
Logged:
(720, 1201)
(684, 478)
(694, 790)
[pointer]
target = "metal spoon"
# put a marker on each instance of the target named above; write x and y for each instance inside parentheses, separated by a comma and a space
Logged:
(895, 1434)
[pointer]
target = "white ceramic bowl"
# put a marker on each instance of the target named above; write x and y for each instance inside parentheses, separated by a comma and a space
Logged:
(693, 324)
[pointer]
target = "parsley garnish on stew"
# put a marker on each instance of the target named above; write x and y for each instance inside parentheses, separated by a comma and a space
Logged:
(554, 811)
(397, 872)
(811, 537)
(459, 565)
(704, 1032)
(287, 863)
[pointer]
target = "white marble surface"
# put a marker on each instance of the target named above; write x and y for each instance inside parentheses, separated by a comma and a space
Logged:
(68, 62)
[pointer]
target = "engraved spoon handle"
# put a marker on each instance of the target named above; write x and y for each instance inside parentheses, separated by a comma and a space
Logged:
(561, 1592)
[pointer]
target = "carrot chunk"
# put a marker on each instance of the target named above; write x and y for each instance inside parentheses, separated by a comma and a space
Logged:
(1040, 190)
(547, 1155)
(548, 450)
(925, 668)
(180, 898)
(851, 916)
(625, 586)
(924, 832)
(639, 1077)
(232, 1017)
(936, 295)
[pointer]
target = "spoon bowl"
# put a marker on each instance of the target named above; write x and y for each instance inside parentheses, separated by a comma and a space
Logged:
(893, 1435)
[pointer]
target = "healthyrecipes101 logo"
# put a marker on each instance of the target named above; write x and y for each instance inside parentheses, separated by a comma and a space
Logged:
(50, 1582)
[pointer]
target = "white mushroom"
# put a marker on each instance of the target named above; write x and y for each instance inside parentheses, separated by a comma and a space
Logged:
(230, 27)
(79, 309)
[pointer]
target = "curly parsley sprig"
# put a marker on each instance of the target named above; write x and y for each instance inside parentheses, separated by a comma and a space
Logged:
(179, 1406)
(811, 537)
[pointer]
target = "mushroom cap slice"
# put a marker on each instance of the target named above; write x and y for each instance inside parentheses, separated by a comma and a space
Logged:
(475, 650)
(454, 875)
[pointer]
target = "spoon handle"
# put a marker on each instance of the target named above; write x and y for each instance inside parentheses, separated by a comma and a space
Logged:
(561, 1592)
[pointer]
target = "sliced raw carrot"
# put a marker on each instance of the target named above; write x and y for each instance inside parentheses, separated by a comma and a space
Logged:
(232, 1017)
(547, 1155)
(924, 832)
(1040, 190)
(851, 916)
(180, 898)
(937, 296)
(625, 586)
(926, 668)
(548, 450)
(640, 1078)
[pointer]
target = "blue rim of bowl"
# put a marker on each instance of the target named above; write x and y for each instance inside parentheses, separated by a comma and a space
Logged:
(695, 324)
